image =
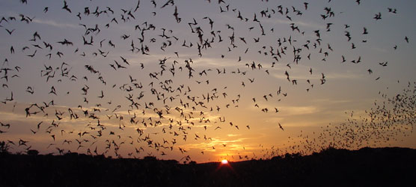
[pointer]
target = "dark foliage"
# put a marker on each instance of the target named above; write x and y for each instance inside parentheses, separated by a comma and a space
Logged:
(331, 167)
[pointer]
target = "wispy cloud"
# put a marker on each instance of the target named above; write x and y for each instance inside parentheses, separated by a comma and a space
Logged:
(300, 23)
(298, 75)
(217, 63)
(55, 24)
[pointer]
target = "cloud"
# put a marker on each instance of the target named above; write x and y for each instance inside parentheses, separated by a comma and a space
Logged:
(55, 24)
(299, 110)
(233, 135)
(216, 63)
(344, 75)
(300, 23)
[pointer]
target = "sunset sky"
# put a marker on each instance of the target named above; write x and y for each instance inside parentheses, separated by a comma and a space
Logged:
(323, 74)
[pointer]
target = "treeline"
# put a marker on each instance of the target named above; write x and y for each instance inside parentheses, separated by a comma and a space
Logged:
(330, 167)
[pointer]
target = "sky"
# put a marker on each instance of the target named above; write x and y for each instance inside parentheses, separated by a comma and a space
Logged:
(206, 80)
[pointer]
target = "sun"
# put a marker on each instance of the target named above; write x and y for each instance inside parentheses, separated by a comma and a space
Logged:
(224, 164)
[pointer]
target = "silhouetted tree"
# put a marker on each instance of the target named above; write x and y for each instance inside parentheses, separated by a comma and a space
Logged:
(4, 147)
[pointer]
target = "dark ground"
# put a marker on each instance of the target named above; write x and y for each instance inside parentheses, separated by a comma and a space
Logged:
(331, 167)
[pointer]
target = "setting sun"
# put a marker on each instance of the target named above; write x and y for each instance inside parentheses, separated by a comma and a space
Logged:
(224, 161)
